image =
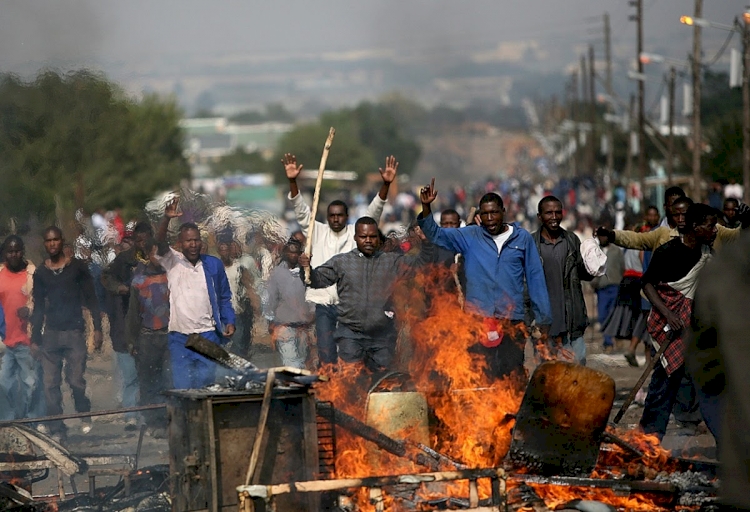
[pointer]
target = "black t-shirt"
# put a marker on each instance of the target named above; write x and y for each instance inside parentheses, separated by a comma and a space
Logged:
(671, 262)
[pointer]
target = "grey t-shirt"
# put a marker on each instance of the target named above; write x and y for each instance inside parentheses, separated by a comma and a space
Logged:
(553, 260)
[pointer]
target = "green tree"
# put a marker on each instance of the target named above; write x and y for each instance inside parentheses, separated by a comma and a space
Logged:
(77, 140)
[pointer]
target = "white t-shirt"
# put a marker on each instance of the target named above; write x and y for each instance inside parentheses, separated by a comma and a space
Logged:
(191, 310)
(502, 238)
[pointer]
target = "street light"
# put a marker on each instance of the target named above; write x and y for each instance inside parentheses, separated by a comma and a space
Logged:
(744, 30)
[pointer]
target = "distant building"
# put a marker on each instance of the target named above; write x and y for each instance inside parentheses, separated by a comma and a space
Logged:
(211, 138)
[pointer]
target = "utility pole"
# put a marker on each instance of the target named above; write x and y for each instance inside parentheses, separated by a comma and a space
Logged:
(746, 107)
(670, 145)
(631, 149)
(591, 146)
(638, 18)
(697, 137)
(610, 94)
(573, 98)
(584, 94)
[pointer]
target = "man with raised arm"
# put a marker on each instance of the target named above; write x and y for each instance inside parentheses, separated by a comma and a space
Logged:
(499, 258)
(200, 301)
(334, 237)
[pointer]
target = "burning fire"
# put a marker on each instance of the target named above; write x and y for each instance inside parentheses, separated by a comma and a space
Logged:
(473, 414)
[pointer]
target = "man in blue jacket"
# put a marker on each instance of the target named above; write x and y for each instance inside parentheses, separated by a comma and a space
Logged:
(498, 258)
(200, 301)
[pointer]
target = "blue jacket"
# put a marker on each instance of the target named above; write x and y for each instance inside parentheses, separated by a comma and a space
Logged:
(219, 293)
(495, 283)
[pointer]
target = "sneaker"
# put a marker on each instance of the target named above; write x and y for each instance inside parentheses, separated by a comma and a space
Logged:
(131, 424)
(42, 429)
(86, 426)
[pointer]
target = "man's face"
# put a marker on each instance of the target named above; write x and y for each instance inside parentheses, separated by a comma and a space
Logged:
(679, 211)
(450, 220)
(705, 232)
(190, 241)
(668, 205)
(337, 217)
(53, 243)
(492, 217)
(14, 256)
(291, 254)
(730, 210)
(652, 217)
(551, 215)
(140, 240)
(367, 238)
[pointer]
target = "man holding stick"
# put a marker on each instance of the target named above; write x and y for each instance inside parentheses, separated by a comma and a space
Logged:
(328, 240)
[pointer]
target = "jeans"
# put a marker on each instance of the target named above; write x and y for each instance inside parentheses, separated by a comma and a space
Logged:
(376, 354)
(662, 393)
(291, 344)
(326, 318)
(68, 346)
(128, 381)
(189, 369)
(154, 375)
(686, 408)
(605, 301)
(18, 380)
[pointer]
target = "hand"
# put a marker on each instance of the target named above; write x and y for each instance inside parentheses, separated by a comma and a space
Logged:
(304, 260)
(229, 331)
(607, 233)
(23, 313)
(98, 341)
(477, 219)
(428, 194)
(122, 290)
(290, 166)
(391, 166)
(675, 322)
(170, 211)
(132, 350)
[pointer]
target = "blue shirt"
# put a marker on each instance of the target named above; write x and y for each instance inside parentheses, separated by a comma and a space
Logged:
(495, 282)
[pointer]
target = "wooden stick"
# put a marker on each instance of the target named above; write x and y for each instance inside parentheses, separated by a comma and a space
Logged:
(264, 408)
(637, 387)
(316, 198)
(456, 263)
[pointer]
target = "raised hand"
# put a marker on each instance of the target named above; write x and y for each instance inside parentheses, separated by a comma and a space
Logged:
(428, 194)
(290, 166)
(304, 260)
(391, 167)
(171, 209)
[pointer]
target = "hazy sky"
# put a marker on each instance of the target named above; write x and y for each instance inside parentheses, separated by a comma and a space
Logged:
(139, 33)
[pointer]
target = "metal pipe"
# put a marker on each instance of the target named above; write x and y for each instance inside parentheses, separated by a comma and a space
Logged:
(89, 414)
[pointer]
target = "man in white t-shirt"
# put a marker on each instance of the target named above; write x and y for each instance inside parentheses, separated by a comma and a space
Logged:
(334, 237)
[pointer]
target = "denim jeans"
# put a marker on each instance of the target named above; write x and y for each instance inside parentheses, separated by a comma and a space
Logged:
(191, 370)
(18, 380)
(326, 318)
(662, 393)
(605, 302)
(128, 381)
(154, 374)
(68, 346)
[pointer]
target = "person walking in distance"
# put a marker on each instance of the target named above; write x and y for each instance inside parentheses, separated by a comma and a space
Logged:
(200, 300)
(62, 288)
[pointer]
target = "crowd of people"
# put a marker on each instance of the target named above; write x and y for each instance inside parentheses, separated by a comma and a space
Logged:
(339, 303)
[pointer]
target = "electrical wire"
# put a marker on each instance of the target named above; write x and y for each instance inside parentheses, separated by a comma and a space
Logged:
(721, 50)
(657, 99)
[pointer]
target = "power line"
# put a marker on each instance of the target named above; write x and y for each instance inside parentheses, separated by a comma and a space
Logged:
(721, 50)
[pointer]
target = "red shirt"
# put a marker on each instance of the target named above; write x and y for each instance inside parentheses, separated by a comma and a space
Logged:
(14, 294)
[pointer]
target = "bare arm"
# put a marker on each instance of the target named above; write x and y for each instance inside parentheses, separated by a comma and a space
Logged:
(170, 212)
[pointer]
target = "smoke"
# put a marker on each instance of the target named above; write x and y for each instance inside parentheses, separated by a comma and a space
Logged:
(57, 34)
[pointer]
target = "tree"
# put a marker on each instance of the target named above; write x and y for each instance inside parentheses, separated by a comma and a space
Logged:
(75, 140)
